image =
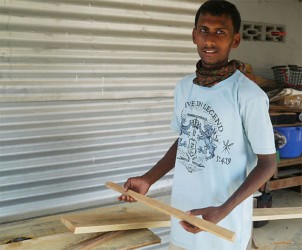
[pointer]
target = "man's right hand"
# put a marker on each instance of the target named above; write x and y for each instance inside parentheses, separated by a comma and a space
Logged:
(137, 184)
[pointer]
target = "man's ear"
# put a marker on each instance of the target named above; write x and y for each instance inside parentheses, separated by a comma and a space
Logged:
(193, 35)
(236, 40)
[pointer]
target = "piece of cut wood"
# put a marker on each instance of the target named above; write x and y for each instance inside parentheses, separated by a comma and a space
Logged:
(290, 162)
(114, 218)
(254, 243)
(32, 228)
(48, 233)
(200, 223)
(89, 244)
(136, 215)
(130, 239)
(260, 214)
(284, 183)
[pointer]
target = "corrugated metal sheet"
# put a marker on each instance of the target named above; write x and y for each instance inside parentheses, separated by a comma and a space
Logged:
(85, 97)
(79, 50)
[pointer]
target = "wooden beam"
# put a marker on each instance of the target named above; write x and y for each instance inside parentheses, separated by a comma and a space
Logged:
(113, 218)
(202, 224)
(86, 245)
(130, 239)
(284, 108)
(32, 228)
(260, 214)
(50, 231)
(136, 215)
(290, 162)
(284, 183)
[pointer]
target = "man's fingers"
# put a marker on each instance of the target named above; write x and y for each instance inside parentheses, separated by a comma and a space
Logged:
(130, 199)
(189, 227)
(126, 198)
(195, 212)
(186, 224)
(127, 185)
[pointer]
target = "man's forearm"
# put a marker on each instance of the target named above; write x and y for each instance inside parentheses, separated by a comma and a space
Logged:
(163, 166)
(262, 172)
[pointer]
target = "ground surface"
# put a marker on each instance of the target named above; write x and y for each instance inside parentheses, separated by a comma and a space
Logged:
(281, 234)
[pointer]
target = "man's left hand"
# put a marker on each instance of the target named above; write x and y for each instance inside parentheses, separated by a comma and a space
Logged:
(212, 214)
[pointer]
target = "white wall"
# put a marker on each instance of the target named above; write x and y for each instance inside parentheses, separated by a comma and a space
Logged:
(263, 55)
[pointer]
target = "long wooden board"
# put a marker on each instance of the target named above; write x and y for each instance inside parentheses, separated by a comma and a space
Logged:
(124, 240)
(136, 215)
(284, 183)
(202, 224)
(290, 162)
(260, 214)
(113, 218)
(48, 233)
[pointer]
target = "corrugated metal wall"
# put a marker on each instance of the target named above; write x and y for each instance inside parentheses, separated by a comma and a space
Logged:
(86, 97)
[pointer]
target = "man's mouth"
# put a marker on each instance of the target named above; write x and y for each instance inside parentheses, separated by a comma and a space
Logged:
(209, 51)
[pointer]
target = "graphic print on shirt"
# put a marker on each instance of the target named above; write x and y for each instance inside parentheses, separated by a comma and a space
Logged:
(200, 137)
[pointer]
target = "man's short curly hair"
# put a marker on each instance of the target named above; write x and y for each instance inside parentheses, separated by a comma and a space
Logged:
(219, 8)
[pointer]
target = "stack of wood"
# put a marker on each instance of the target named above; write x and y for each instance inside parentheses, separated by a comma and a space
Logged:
(120, 227)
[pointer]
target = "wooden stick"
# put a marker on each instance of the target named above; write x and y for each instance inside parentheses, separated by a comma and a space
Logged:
(254, 243)
(200, 223)
(260, 214)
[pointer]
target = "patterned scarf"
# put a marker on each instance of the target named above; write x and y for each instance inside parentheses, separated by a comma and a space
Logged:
(210, 77)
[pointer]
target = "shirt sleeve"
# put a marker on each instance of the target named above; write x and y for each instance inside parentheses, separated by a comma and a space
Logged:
(176, 120)
(181, 92)
(257, 124)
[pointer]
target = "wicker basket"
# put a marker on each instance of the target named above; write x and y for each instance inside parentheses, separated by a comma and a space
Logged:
(288, 76)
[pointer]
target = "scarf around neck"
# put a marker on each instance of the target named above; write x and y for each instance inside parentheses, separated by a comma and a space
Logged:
(209, 77)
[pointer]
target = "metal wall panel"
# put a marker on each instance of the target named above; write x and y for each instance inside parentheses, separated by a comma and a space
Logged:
(79, 50)
(86, 97)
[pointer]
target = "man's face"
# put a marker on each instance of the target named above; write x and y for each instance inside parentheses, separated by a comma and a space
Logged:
(215, 37)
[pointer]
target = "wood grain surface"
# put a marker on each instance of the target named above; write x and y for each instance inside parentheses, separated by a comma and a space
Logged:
(202, 224)
(121, 217)
(260, 214)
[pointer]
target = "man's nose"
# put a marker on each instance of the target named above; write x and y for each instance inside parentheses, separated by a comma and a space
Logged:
(210, 39)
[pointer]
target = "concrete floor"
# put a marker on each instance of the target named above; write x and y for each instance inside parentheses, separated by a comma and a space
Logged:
(281, 234)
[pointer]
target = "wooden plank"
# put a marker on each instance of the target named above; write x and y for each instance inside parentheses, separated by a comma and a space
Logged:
(131, 239)
(55, 241)
(273, 107)
(284, 183)
(121, 217)
(50, 225)
(127, 214)
(296, 124)
(202, 224)
(260, 214)
(291, 172)
(290, 162)
(33, 228)
(89, 244)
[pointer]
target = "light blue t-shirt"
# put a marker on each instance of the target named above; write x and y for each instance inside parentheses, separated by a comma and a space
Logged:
(221, 129)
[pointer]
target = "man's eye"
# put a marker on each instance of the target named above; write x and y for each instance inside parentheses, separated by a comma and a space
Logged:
(203, 31)
(220, 32)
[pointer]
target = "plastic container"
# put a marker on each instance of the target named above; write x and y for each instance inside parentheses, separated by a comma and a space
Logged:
(293, 142)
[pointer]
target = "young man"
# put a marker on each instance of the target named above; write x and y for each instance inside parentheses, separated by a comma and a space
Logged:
(225, 150)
